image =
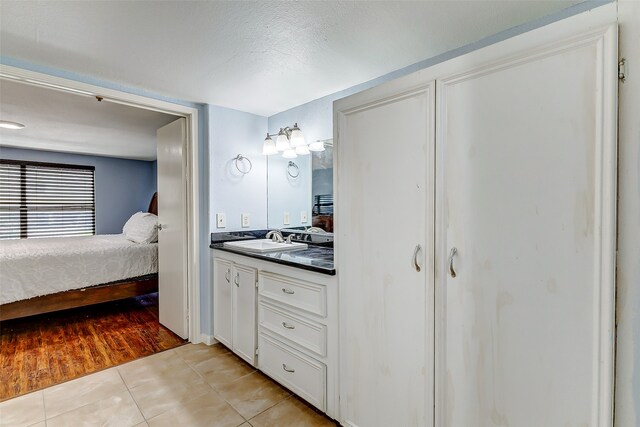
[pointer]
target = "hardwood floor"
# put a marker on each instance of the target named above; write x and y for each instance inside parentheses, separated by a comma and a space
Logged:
(39, 351)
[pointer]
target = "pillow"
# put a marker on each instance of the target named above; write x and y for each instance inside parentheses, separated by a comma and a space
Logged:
(129, 224)
(142, 227)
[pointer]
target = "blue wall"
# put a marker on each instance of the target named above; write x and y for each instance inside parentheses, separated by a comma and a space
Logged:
(122, 187)
(233, 132)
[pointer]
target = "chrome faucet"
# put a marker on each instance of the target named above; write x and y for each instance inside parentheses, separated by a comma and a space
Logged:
(275, 235)
(289, 237)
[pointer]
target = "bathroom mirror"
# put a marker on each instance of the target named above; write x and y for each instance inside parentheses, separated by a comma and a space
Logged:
(300, 190)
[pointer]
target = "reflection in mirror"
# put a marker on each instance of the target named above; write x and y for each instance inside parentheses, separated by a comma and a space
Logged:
(300, 190)
(288, 192)
(322, 187)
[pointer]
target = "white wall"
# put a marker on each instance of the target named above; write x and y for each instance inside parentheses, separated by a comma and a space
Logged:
(628, 280)
(231, 133)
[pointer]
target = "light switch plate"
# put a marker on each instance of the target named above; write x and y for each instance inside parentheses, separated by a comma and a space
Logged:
(287, 218)
(221, 220)
(303, 217)
(245, 220)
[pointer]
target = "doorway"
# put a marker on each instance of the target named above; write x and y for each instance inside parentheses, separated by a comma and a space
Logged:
(190, 219)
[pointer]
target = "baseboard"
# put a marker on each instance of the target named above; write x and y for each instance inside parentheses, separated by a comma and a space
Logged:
(208, 339)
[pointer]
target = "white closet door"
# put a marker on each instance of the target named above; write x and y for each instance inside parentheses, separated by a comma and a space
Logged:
(526, 193)
(384, 217)
(172, 236)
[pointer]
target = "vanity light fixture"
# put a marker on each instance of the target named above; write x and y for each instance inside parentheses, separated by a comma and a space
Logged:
(6, 124)
(289, 141)
(269, 147)
(316, 146)
(302, 150)
(289, 154)
(282, 141)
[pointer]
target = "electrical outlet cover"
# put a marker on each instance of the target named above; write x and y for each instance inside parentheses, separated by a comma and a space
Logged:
(245, 220)
(303, 217)
(287, 219)
(221, 220)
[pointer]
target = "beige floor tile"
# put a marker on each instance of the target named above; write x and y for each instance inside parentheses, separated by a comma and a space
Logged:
(142, 424)
(163, 371)
(157, 397)
(252, 394)
(208, 410)
(194, 353)
(117, 411)
(40, 424)
(22, 411)
(291, 413)
(74, 394)
(223, 369)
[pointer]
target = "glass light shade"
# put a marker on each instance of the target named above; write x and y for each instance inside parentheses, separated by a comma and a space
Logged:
(302, 150)
(297, 138)
(290, 154)
(282, 142)
(269, 147)
(316, 146)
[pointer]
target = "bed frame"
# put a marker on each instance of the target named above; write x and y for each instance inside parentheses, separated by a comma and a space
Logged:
(81, 297)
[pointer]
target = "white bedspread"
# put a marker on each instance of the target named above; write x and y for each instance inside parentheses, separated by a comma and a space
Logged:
(34, 267)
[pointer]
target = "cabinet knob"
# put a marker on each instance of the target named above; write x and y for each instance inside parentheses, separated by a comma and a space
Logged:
(415, 257)
(452, 254)
(284, 366)
(288, 326)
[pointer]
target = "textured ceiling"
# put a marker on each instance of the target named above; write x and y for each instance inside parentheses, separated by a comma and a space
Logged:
(60, 121)
(261, 57)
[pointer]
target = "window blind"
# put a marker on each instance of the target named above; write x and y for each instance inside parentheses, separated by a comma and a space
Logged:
(46, 200)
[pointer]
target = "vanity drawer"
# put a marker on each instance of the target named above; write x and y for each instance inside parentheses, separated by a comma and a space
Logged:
(302, 295)
(307, 334)
(302, 375)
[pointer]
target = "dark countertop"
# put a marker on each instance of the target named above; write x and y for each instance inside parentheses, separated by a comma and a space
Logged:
(314, 258)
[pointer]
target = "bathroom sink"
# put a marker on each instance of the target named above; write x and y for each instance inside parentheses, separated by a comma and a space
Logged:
(264, 245)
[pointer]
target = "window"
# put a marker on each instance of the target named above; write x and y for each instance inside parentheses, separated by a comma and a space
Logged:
(46, 200)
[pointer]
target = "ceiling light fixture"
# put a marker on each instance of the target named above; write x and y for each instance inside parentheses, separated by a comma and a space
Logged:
(6, 124)
(289, 141)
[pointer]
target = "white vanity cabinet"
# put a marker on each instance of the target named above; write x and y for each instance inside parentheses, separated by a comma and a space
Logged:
(492, 301)
(297, 330)
(234, 297)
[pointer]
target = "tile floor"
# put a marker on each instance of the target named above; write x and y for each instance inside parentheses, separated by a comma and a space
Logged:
(192, 385)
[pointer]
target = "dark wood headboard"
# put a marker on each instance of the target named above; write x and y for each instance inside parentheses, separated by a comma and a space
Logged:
(153, 206)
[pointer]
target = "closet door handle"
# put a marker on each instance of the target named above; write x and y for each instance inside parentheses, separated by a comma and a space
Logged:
(236, 280)
(287, 369)
(415, 257)
(453, 253)
(227, 276)
(288, 326)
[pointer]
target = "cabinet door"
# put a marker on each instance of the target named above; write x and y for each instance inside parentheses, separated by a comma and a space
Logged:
(244, 312)
(526, 195)
(222, 302)
(385, 175)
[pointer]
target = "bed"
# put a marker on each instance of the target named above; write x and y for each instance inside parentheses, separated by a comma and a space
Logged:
(44, 275)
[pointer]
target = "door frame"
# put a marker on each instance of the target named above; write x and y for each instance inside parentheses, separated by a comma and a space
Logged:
(191, 179)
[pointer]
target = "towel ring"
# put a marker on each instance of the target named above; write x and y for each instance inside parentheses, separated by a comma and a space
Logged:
(296, 170)
(241, 158)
